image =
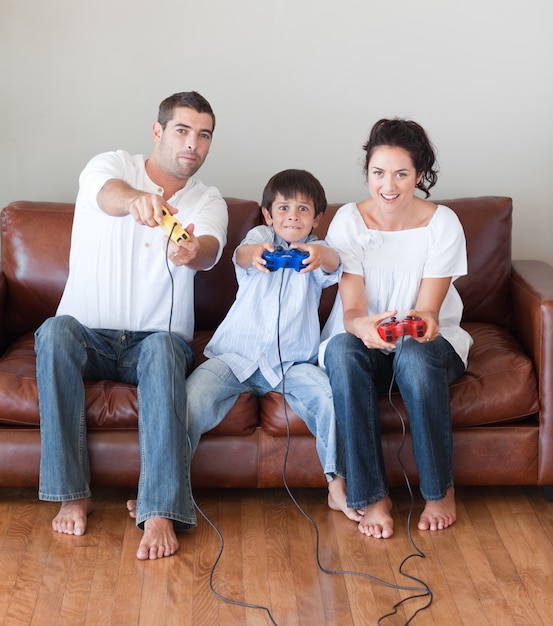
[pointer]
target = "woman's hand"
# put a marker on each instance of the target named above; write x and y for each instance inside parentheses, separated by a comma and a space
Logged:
(432, 325)
(366, 329)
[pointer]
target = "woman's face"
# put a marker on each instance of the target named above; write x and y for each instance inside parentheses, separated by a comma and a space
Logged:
(391, 177)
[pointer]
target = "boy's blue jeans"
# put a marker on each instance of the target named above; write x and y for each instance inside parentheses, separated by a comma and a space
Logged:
(212, 390)
(69, 353)
(424, 372)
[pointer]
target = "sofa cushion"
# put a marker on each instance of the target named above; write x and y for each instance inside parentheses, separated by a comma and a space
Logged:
(109, 405)
(499, 386)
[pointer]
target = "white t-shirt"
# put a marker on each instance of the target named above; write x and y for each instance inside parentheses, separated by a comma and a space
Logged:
(393, 263)
(118, 277)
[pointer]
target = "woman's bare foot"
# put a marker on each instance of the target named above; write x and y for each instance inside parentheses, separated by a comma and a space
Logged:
(131, 508)
(439, 514)
(73, 517)
(159, 539)
(377, 521)
(337, 499)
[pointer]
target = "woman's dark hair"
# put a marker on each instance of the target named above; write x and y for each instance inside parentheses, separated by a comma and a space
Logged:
(290, 183)
(188, 99)
(411, 137)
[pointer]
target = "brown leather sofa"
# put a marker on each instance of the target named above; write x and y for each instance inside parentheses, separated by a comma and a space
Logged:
(502, 406)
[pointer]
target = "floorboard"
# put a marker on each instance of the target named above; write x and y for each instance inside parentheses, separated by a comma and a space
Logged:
(493, 567)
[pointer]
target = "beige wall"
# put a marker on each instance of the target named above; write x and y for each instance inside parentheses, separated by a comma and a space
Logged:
(294, 83)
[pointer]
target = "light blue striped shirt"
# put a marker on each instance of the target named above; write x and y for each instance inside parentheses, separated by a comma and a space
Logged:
(248, 337)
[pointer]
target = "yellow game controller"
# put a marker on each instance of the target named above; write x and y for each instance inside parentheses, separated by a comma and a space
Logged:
(172, 227)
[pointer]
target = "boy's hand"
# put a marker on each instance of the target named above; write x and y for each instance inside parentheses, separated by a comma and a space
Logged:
(319, 256)
(250, 255)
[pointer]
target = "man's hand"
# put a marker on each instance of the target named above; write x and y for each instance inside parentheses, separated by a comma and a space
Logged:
(185, 252)
(147, 209)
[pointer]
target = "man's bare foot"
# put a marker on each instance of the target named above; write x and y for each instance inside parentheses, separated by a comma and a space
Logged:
(337, 499)
(159, 539)
(439, 514)
(377, 521)
(72, 517)
(131, 507)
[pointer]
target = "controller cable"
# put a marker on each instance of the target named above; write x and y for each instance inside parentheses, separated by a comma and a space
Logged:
(424, 588)
(189, 446)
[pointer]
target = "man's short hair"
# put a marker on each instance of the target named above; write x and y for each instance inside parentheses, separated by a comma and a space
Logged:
(189, 99)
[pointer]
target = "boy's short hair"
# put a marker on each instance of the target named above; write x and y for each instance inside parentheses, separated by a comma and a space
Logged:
(290, 183)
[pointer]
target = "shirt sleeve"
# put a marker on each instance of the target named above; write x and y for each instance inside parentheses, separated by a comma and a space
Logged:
(343, 236)
(209, 214)
(260, 234)
(98, 171)
(447, 255)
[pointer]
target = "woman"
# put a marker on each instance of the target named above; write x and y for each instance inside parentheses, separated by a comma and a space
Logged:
(400, 255)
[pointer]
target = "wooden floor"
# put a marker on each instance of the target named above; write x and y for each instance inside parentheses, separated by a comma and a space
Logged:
(494, 566)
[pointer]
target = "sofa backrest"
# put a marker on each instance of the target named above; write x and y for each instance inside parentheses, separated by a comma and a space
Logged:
(35, 261)
(218, 285)
(35, 239)
(485, 290)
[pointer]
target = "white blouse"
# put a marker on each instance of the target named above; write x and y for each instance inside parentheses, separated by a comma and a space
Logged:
(393, 263)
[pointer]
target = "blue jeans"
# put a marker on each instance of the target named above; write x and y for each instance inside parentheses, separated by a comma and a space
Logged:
(69, 353)
(424, 372)
(212, 390)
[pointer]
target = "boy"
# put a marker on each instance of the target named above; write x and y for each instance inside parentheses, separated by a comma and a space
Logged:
(273, 325)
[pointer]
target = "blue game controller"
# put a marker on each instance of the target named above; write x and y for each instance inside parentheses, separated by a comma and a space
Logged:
(291, 258)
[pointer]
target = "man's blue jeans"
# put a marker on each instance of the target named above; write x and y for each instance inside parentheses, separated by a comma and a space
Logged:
(212, 390)
(69, 353)
(424, 372)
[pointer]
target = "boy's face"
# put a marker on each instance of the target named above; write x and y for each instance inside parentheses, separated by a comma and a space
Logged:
(292, 218)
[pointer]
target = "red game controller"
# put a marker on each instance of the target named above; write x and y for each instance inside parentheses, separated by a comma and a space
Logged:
(411, 325)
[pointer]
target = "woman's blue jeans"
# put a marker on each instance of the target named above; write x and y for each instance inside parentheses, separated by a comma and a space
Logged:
(423, 373)
(69, 353)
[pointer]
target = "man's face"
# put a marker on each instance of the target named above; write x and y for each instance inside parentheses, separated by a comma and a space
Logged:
(183, 145)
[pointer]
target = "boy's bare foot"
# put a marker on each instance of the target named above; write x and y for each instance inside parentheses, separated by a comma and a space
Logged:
(159, 539)
(439, 514)
(72, 517)
(337, 499)
(131, 507)
(377, 521)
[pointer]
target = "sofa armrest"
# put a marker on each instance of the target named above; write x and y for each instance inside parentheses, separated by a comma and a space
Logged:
(3, 292)
(532, 296)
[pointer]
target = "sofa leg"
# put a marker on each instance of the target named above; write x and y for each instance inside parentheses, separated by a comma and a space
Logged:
(548, 492)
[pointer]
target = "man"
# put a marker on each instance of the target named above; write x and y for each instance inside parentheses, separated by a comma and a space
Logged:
(113, 321)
